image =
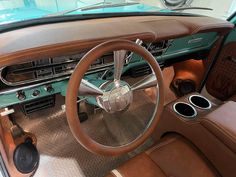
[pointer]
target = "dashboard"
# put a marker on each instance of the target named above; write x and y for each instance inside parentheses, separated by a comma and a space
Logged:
(41, 66)
(62, 66)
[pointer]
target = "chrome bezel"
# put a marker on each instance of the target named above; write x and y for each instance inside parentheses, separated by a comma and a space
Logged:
(62, 76)
(194, 110)
(209, 107)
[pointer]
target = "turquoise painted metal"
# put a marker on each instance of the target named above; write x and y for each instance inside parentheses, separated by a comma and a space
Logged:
(11, 99)
(231, 37)
(20, 10)
(233, 20)
(189, 44)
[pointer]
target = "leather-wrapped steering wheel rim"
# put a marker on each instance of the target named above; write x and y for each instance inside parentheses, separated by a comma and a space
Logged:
(72, 94)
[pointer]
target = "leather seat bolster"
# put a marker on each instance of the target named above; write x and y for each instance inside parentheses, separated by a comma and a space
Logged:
(141, 165)
(177, 157)
(233, 98)
(173, 156)
(221, 123)
(110, 175)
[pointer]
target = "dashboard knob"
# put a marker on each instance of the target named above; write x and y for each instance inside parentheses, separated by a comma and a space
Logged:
(21, 95)
(49, 88)
(36, 93)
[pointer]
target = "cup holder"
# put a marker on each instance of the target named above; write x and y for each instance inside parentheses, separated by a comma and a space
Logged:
(185, 110)
(200, 102)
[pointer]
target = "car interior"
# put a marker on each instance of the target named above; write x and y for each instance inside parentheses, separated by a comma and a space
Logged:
(138, 95)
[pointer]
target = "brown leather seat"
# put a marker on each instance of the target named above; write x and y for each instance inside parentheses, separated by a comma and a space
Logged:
(172, 157)
(233, 98)
(221, 122)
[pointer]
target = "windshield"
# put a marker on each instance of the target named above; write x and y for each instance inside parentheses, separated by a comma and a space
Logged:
(21, 10)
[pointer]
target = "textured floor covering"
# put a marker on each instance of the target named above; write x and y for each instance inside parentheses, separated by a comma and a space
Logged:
(61, 155)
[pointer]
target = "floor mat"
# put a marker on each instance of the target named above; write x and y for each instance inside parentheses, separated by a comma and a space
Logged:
(61, 155)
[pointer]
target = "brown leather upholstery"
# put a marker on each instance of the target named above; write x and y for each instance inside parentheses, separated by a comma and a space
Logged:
(172, 157)
(141, 165)
(233, 98)
(221, 123)
(190, 70)
(150, 27)
(59, 39)
(221, 82)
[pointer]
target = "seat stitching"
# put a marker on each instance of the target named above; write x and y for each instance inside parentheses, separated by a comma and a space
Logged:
(157, 165)
(223, 130)
(160, 145)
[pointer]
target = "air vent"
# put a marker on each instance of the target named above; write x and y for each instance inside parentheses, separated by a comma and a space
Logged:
(18, 73)
(49, 68)
(42, 62)
(140, 70)
(46, 72)
(38, 104)
(97, 63)
(158, 48)
(65, 68)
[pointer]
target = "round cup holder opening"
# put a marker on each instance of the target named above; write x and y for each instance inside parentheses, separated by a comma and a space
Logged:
(185, 110)
(200, 102)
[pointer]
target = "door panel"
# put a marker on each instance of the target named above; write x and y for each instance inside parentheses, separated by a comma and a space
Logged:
(221, 82)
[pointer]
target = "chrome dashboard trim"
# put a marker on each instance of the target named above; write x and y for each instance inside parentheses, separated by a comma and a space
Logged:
(24, 82)
(95, 69)
(91, 71)
(8, 91)
(67, 76)
(195, 40)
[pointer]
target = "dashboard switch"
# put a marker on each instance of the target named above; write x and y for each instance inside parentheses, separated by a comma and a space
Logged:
(35, 93)
(21, 95)
(49, 88)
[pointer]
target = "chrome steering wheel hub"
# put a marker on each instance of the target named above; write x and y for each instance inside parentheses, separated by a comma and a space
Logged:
(117, 97)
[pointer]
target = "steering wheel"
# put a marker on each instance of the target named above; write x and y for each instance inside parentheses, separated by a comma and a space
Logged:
(116, 97)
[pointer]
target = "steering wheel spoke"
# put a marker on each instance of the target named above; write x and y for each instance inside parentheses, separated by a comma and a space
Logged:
(88, 89)
(115, 96)
(147, 82)
(119, 61)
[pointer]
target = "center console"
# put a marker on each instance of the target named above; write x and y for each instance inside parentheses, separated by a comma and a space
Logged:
(222, 123)
(209, 126)
(191, 107)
